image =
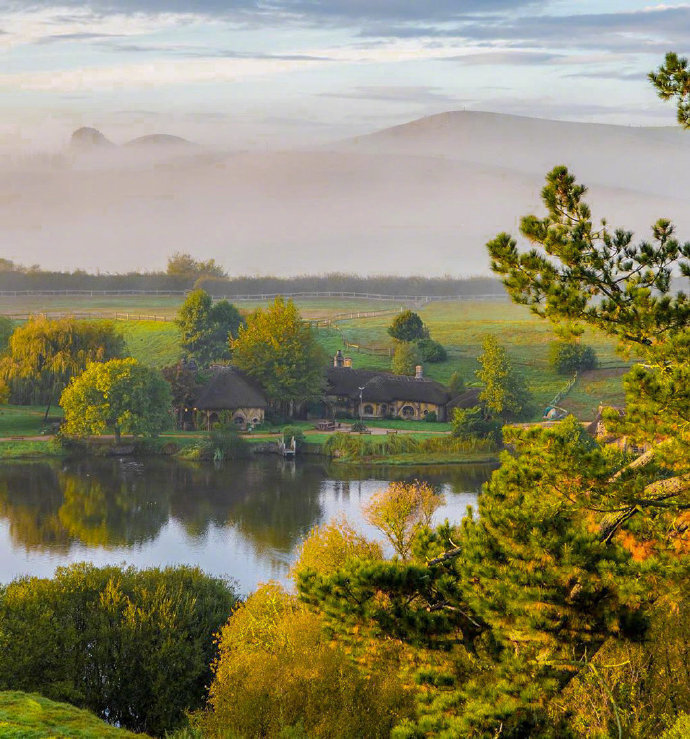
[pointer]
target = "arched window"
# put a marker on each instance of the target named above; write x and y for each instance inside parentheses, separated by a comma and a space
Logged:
(408, 411)
(384, 409)
(368, 410)
(239, 419)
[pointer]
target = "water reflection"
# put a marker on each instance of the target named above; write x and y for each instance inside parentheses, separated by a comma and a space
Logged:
(245, 519)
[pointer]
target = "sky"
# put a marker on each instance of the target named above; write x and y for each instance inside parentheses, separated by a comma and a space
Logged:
(256, 73)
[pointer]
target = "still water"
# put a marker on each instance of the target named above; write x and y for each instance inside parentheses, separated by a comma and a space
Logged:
(244, 520)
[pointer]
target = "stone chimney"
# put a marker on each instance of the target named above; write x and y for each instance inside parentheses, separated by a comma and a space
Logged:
(419, 372)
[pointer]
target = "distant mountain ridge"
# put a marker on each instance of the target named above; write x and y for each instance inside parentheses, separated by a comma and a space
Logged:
(424, 197)
(87, 138)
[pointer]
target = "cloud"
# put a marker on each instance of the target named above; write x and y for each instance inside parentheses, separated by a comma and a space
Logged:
(418, 94)
(511, 58)
(198, 52)
(338, 11)
(650, 30)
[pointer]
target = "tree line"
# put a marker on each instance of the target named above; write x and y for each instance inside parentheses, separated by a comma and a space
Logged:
(14, 277)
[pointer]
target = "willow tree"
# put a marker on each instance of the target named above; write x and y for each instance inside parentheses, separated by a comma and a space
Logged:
(44, 354)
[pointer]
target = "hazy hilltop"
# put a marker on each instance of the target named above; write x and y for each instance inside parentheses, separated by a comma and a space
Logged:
(423, 197)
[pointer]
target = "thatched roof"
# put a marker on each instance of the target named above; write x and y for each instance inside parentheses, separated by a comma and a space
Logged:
(384, 387)
(467, 399)
(228, 389)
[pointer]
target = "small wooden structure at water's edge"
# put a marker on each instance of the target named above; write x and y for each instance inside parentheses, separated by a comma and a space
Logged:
(288, 450)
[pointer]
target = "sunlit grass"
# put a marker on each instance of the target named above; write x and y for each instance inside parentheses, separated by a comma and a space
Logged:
(29, 716)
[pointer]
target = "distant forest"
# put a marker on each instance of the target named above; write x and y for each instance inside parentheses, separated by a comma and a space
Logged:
(14, 277)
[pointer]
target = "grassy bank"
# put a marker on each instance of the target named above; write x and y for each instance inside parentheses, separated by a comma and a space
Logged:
(409, 449)
(29, 449)
(29, 716)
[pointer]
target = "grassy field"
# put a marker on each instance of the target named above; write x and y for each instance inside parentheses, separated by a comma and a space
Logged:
(29, 716)
(151, 342)
(24, 420)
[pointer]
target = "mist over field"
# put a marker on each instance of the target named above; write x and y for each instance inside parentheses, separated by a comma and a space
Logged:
(419, 198)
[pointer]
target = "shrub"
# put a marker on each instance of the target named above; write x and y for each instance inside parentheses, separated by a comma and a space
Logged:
(431, 417)
(279, 674)
(471, 423)
(329, 547)
(223, 444)
(290, 432)
(132, 646)
(567, 357)
(359, 426)
(432, 351)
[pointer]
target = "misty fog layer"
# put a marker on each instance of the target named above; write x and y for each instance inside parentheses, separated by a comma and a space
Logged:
(420, 198)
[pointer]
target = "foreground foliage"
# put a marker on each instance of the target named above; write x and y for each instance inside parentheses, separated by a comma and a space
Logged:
(132, 646)
(279, 674)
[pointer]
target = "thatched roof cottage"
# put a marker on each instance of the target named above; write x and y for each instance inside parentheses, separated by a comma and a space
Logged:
(230, 395)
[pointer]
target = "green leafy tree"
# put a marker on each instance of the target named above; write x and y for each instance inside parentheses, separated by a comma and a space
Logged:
(567, 357)
(119, 396)
(45, 354)
(405, 358)
(207, 328)
(133, 646)
(505, 394)
(408, 326)
(280, 351)
(184, 265)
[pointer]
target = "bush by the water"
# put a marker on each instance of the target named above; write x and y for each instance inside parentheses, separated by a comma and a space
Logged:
(472, 423)
(296, 433)
(222, 445)
(567, 357)
(133, 646)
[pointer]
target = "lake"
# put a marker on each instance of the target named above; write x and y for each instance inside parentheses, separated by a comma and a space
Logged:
(243, 519)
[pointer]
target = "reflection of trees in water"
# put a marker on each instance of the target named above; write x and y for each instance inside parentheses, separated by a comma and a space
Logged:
(30, 495)
(271, 502)
(120, 503)
(460, 478)
(94, 502)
